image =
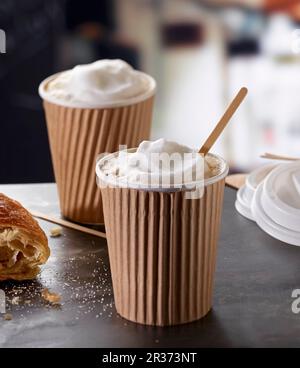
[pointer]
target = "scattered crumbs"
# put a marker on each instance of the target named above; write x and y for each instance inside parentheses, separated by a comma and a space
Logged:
(51, 297)
(7, 317)
(156, 341)
(15, 300)
(55, 231)
(91, 294)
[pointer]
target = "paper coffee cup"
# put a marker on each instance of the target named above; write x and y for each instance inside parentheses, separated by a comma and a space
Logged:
(77, 135)
(162, 250)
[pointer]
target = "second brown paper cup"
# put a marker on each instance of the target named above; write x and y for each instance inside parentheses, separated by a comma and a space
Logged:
(77, 136)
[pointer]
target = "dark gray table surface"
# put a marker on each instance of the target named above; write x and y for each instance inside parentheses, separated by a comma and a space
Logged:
(255, 278)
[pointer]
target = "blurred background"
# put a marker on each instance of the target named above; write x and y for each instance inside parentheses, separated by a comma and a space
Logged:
(200, 52)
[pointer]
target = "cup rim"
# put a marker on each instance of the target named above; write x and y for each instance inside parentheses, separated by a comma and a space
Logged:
(120, 103)
(177, 187)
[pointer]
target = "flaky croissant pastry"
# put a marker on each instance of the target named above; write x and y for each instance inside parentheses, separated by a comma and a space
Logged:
(23, 244)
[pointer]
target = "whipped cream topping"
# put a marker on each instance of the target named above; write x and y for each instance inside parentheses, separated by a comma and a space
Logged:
(104, 82)
(161, 163)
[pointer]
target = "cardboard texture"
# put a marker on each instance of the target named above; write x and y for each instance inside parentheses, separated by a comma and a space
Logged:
(162, 250)
(77, 137)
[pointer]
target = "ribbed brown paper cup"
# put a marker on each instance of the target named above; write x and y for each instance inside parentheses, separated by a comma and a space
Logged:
(77, 136)
(162, 250)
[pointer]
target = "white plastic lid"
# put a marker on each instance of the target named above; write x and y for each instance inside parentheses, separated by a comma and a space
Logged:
(246, 193)
(281, 197)
(276, 203)
(243, 204)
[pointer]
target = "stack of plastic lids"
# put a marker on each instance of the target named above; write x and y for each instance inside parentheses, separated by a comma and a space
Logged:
(271, 198)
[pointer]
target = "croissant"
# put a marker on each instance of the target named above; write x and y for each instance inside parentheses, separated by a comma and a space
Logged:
(23, 244)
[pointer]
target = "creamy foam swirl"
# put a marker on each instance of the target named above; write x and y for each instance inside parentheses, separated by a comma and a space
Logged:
(161, 163)
(104, 82)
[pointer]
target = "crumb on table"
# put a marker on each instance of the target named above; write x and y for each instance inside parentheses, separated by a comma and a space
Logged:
(55, 231)
(15, 300)
(7, 317)
(51, 297)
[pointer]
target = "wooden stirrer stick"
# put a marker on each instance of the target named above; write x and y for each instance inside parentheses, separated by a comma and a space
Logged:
(223, 122)
(272, 156)
(68, 224)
